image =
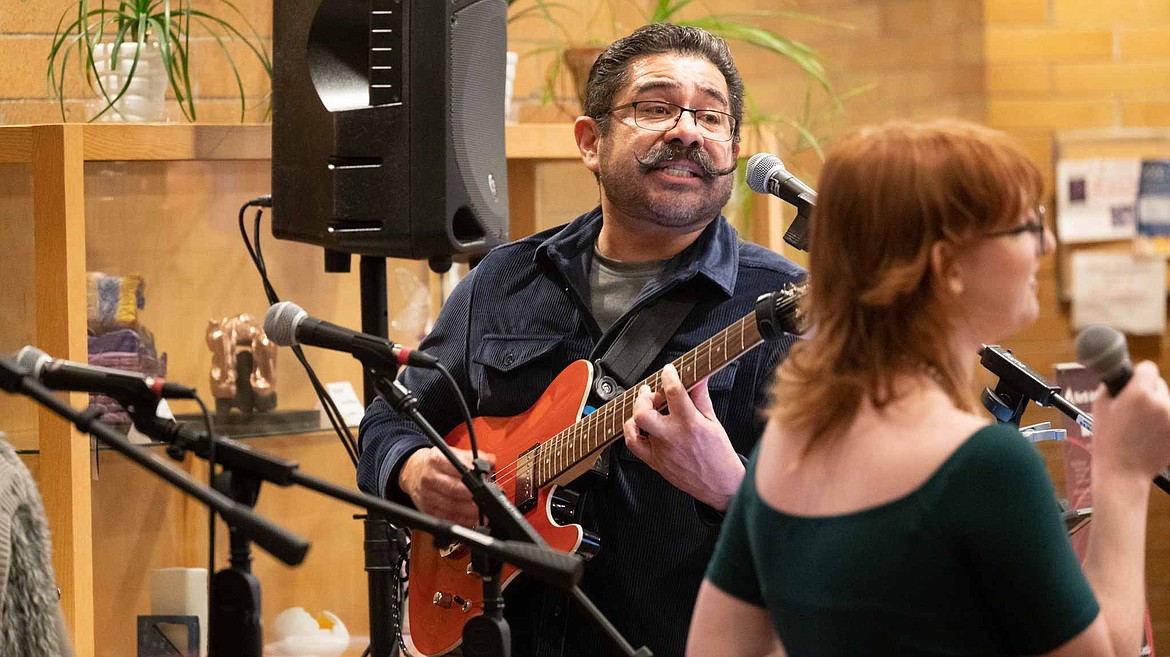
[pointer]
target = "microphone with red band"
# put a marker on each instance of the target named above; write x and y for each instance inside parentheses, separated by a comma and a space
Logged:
(1103, 351)
(57, 374)
(288, 324)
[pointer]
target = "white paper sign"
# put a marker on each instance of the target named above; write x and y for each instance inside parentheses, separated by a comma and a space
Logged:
(1122, 290)
(347, 402)
(1095, 199)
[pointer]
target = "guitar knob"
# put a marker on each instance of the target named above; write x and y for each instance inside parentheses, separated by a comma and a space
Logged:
(446, 600)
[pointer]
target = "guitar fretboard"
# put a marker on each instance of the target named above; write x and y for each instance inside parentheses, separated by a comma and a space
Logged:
(603, 426)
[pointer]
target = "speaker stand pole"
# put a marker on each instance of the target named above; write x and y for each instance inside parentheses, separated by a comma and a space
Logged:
(383, 541)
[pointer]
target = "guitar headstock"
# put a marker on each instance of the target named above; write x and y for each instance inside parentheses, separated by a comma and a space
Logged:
(779, 312)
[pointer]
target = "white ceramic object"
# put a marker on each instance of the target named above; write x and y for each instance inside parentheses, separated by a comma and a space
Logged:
(181, 592)
(297, 634)
(509, 79)
(145, 98)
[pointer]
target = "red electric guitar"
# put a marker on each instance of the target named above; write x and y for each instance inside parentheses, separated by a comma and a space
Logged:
(546, 447)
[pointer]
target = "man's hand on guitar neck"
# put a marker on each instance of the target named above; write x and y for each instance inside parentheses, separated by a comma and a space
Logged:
(434, 485)
(688, 447)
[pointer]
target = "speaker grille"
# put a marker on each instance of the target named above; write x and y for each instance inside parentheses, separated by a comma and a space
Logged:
(477, 110)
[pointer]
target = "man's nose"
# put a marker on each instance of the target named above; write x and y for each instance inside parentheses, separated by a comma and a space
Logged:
(686, 130)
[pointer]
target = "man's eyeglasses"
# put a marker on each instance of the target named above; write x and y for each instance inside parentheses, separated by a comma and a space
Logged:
(660, 116)
(1035, 226)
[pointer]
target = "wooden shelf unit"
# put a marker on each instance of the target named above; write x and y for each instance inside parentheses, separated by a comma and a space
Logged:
(57, 156)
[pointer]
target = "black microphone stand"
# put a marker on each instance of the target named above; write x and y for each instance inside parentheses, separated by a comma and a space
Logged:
(556, 568)
(488, 634)
(1018, 384)
(234, 620)
(384, 543)
(234, 613)
(282, 544)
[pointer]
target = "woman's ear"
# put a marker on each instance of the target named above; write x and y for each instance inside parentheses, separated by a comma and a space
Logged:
(945, 268)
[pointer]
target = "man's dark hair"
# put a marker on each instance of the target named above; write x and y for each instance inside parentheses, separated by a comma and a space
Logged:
(611, 71)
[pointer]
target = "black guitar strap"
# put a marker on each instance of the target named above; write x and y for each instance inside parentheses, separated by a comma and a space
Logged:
(639, 343)
(623, 364)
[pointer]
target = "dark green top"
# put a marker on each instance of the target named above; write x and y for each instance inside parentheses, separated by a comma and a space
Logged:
(974, 562)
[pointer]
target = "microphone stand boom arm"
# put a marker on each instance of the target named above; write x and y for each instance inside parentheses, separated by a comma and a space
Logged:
(556, 568)
(506, 522)
(283, 545)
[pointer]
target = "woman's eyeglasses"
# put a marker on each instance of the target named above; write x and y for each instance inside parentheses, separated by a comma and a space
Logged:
(1035, 226)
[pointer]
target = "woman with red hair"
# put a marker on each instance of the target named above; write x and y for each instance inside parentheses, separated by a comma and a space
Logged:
(881, 514)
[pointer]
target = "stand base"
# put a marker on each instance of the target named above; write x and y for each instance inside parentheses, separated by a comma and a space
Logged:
(484, 636)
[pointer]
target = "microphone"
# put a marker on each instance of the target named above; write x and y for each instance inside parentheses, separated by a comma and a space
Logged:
(1104, 352)
(59, 374)
(288, 324)
(766, 175)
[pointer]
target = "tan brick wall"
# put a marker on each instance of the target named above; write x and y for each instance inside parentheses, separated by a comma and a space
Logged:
(1028, 66)
(1065, 65)
(26, 34)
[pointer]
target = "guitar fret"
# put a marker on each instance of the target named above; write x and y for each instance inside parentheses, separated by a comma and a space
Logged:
(708, 361)
(603, 426)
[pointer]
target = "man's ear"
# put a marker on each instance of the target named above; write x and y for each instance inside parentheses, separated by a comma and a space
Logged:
(946, 269)
(588, 142)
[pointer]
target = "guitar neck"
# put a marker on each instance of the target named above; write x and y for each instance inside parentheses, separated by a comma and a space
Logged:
(600, 428)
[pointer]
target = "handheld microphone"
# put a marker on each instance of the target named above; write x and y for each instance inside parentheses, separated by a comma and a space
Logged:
(1104, 352)
(288, 324)
(57, 374)
(766, 175)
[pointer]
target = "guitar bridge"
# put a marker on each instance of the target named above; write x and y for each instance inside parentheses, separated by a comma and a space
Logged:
(524, 495)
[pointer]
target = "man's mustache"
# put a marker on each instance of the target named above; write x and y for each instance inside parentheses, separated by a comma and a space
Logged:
(672, 152)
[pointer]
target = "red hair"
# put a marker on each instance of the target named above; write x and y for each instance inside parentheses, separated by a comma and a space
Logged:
(888, 194)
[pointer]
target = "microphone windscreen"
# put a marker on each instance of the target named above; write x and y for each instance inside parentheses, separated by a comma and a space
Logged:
(759, 167)
(1102, 350)
(31, 360)
(280, 324)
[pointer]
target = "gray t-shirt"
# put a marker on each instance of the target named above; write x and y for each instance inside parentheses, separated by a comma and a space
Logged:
(613, 286)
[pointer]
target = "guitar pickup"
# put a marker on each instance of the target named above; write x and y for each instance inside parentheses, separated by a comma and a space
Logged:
(524, 493)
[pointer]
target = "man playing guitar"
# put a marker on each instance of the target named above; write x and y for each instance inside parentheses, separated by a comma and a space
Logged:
(661, 134)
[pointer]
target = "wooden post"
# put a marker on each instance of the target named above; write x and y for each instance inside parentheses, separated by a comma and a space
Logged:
(59, 223)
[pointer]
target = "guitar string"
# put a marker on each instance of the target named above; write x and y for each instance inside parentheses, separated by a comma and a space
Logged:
(623, 403)
(566, 439)
(787, 306)
(553, 449)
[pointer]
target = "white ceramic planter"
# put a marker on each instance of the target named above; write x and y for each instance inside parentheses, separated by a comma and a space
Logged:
(144, 99)
(509, 80)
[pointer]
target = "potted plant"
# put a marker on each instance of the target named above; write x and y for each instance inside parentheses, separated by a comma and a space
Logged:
(576, 49)
(128, 48)
(614, 18)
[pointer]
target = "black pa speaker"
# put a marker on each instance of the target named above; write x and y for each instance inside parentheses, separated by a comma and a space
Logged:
(388, 126)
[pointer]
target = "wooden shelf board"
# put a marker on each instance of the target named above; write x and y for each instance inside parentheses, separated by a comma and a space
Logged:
(167, 142)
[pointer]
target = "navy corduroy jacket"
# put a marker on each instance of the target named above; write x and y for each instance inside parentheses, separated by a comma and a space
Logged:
(519, 318)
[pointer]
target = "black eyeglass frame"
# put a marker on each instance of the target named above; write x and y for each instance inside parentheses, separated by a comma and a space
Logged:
(1036, 227)
(694, 113)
